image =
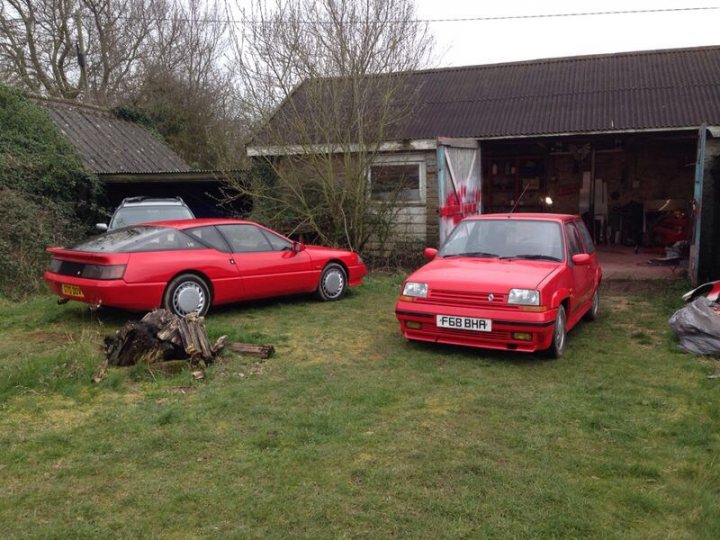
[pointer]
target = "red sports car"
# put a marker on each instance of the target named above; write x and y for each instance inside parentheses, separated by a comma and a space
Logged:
(514, 282)
(188, 265)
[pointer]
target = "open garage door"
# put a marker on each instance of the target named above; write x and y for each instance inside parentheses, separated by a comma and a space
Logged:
(459, 182)
(697, 205)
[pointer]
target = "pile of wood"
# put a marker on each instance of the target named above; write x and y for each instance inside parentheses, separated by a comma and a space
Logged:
(162, 336)
(168, 343)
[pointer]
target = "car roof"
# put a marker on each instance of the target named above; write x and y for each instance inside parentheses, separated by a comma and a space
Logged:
(151, 202)
(201, 222)
(528, 215)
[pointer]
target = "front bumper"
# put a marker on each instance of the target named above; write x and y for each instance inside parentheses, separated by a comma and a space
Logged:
(114, 292)
(356, 273)
(505, 322)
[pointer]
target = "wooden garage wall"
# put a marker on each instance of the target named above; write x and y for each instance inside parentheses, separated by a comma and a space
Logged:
(416, 224)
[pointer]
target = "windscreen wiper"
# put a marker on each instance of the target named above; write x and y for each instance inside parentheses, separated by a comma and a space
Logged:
(534, 257)
(472, 254)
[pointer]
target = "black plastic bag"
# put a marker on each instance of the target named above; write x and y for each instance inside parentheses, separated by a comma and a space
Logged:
(697, 326)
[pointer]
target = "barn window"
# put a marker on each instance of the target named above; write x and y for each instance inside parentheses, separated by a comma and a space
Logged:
(400, 180)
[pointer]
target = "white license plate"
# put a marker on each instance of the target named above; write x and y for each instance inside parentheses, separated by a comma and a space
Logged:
(463, 323)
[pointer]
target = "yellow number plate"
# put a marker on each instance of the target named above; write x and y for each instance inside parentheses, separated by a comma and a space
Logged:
(72, 290)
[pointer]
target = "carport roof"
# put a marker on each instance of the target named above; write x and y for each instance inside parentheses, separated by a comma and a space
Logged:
(110, 145)
(631, 91)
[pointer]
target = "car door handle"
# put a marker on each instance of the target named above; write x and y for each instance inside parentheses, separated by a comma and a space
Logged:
(232, 261)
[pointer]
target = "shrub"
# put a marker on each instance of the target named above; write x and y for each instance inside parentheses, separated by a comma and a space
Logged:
(27, 226)
(46, 198)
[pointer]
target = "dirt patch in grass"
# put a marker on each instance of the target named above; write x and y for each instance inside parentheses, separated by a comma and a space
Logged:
(44, 336)
(635, 286)
(619, 303)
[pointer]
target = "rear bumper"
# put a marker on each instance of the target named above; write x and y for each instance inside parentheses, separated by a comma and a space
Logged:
(114, 293)
(505, 323)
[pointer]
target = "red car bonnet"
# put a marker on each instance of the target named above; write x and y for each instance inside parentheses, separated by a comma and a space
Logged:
(462, 274)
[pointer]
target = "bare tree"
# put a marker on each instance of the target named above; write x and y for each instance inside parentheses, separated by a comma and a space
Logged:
(162, 57)
(185, 86)
(338, 70)
(76, 48)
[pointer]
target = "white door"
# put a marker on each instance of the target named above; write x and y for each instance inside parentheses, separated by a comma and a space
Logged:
(459, 182)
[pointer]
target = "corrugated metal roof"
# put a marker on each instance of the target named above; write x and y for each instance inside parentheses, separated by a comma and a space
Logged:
(667, 89)
(109, 145)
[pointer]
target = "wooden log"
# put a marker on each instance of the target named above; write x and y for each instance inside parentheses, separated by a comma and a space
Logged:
(162, 336)
(219, 345)
(261, 351)
(100, 372)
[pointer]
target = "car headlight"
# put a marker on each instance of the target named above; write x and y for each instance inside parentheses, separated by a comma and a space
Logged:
(524, 297)
(418, 290)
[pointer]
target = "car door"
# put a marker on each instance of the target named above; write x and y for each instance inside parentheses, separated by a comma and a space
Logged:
(267, 263)
(583, 278)
(221, 268)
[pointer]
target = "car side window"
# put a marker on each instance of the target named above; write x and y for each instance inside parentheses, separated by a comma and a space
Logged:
(209, 236)
(587, 239)
(164, 240)
(277, 242)
(574, 245)
(245, 238)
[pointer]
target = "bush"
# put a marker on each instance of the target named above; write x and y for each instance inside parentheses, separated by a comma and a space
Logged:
(46, 198)
(28, 225)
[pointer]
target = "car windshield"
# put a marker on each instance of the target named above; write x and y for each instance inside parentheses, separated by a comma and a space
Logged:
(132, 215)
(506, 238)
(134, 239)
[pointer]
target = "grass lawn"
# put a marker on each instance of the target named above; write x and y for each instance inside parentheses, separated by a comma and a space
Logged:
(350, 431)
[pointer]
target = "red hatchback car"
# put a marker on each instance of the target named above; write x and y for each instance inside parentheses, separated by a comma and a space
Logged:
(514, 282)
(188, 265)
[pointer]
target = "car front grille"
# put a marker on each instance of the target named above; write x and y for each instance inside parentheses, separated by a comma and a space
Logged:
(465, 298)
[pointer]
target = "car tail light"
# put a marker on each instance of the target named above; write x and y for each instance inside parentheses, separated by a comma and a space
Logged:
(100, 271)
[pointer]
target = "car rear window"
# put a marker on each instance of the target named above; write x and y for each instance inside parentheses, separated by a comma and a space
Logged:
(132, 215)
(141, 238)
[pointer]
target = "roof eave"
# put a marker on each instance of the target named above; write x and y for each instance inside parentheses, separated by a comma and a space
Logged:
(431, 144)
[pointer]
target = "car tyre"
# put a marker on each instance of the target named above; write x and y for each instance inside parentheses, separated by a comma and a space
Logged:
(592, 313)
(187, 293)
(333, 282)
(559, 341)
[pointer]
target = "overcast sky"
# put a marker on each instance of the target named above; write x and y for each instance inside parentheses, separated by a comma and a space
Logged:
(483, 42)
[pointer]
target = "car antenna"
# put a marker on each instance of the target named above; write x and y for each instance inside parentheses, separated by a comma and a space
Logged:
(520, 197)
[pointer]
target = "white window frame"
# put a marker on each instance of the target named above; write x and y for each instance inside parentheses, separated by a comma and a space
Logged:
(403, 159)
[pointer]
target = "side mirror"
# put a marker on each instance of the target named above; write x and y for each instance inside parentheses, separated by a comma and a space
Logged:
(101, 227)
(430, 253)
(581, 259)
(297, 247)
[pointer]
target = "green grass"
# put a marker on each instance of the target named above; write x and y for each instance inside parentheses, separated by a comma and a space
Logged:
(350, 431)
